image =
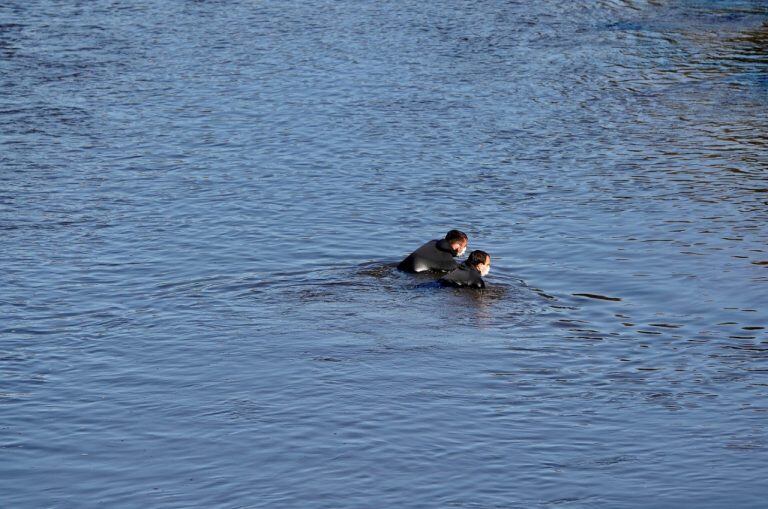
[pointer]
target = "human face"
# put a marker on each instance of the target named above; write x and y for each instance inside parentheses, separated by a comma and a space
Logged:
(485, 268)
(459, 247)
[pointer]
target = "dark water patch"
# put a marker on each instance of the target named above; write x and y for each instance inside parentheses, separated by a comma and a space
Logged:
(597, 296)
(665, 325)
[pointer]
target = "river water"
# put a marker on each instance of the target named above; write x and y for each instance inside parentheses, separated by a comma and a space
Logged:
(201, 203)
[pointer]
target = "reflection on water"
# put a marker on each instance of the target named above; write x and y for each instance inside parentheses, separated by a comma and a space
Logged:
(202, 205)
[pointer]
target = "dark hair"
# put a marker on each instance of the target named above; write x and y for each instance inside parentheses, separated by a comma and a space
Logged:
(456, 236)
(477, 257)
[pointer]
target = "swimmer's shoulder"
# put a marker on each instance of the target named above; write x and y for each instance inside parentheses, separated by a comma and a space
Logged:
(463, 276)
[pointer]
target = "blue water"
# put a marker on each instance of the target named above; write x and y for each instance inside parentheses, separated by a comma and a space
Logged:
(201, 203)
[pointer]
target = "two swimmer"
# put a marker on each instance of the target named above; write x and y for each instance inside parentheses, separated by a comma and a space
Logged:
(438, 255)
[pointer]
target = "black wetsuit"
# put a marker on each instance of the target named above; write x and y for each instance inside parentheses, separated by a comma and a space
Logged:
(434, 255)
(464, 276)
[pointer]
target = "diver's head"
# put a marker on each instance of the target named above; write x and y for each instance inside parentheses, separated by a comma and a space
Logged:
(458, 241)
(481, 261)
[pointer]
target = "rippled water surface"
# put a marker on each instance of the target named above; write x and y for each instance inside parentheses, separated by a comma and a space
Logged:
(202, 201)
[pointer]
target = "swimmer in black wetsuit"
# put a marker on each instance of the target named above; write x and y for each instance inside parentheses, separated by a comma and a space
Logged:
(436, 254)
(470, 273)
